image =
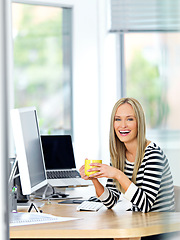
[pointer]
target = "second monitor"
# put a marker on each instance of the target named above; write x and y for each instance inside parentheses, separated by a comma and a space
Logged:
(28, 149)
(60, 162)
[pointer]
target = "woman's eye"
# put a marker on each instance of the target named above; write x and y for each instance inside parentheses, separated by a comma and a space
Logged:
(130, 119)
(117, 119)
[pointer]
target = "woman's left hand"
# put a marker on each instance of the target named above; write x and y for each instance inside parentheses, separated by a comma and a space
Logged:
(104, 170)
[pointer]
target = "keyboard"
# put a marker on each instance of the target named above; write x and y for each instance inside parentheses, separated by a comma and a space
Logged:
(89, 206)
(62, 174)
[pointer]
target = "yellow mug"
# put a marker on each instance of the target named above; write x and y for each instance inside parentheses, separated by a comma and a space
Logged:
(87, 166)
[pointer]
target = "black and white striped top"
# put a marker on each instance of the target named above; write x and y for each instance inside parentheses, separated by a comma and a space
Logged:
(153, 191)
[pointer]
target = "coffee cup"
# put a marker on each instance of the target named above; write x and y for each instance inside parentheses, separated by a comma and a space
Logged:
(87, 166)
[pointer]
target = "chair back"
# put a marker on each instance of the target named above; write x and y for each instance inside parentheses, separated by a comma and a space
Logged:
(177, 198)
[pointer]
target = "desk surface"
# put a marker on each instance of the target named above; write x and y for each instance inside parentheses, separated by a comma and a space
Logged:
(105, 223)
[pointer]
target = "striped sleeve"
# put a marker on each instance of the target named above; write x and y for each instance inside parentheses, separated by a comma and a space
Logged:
(111, 195)
(149, 179)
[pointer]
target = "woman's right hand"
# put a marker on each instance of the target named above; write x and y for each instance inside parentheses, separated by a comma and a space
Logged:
(98, 186)
(83, 175)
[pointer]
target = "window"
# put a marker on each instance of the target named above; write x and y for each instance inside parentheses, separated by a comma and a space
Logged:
(42, 64)
(149, 52)
(152, 77)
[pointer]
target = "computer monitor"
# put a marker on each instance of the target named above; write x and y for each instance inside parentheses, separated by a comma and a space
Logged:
(28, 149)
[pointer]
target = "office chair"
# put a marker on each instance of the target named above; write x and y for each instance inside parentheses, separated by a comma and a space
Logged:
(177, 198)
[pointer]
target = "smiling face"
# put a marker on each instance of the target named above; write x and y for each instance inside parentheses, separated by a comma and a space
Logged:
(125, 124)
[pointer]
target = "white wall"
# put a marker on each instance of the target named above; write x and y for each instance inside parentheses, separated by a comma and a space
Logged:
(85, 80)
(94, 80)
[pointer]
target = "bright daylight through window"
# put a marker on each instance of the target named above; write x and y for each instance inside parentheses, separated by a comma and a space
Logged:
(42, 64)
(152, 76)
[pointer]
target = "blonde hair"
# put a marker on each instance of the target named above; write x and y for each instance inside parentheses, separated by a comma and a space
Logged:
(118, 149)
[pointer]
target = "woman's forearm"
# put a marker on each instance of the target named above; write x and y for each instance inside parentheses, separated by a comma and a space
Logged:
(123, 180)
(98, 187)
(118, 175)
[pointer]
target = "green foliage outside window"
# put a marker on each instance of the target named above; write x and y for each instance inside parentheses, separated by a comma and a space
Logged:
(38, 63)
(144, 84)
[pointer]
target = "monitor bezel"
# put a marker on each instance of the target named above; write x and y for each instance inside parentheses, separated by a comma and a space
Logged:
(26, 185)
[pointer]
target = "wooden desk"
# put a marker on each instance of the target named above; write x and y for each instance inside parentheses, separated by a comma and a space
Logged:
(102, 224)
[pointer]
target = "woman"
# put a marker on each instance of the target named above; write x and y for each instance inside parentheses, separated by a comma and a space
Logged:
(139, 168)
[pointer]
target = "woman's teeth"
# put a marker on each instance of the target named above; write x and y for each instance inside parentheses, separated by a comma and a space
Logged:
(124, 132)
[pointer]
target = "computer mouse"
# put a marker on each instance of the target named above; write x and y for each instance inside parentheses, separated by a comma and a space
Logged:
(93, 199)
(59, 195)
(55, 195)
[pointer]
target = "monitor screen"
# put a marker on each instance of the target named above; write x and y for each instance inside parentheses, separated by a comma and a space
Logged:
(58, 152)
(28, 149)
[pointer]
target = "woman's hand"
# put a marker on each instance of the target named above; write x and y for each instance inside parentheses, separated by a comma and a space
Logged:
(104, 170)
(98, 186)
(107, 172)
(83, 175)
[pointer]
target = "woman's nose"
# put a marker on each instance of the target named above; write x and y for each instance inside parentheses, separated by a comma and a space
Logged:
(123, 123)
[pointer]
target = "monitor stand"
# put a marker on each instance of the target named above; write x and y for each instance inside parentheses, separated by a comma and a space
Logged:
(49, 192)
(24, 201)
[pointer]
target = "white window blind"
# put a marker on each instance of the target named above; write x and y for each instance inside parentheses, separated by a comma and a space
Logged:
(144, 15)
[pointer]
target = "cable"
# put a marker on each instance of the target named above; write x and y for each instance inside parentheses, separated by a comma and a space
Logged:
(13, 171)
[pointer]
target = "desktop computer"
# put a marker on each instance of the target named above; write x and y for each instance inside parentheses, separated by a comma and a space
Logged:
(30, 160)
